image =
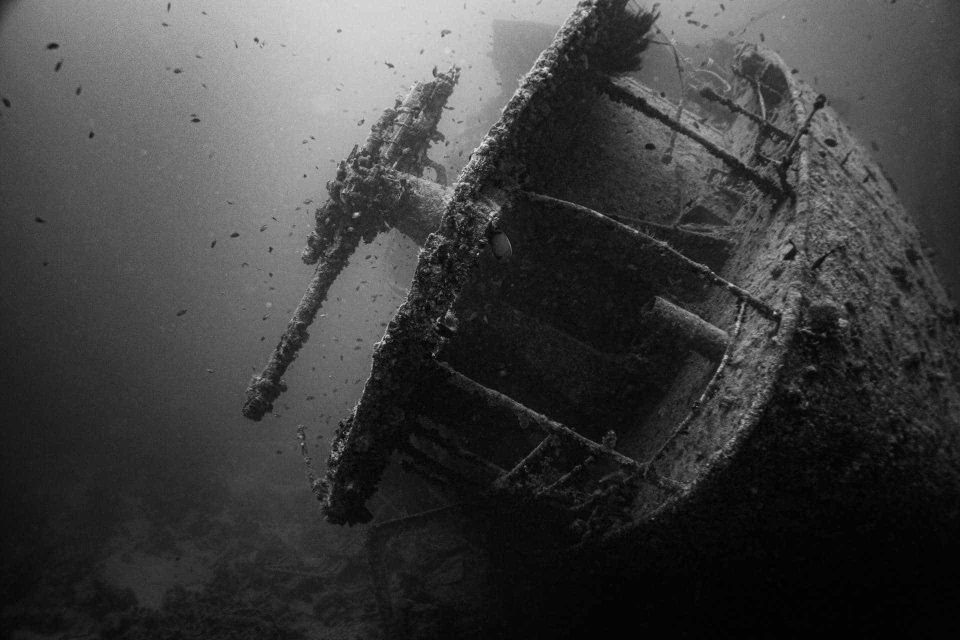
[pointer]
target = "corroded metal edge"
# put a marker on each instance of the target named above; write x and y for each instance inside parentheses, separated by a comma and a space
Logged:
(365, 441)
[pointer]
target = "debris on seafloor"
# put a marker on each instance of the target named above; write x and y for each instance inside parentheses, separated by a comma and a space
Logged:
(209, 573)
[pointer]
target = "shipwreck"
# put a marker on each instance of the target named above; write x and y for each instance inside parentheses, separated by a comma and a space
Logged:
(645, 337)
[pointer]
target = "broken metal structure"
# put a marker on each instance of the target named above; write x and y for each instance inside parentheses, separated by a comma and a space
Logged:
(707, 338)
(376, 187)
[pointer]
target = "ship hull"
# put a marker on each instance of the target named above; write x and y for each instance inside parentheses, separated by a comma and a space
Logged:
(690, 350)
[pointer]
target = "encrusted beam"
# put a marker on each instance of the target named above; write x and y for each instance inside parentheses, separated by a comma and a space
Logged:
(266, 387)
(624, 91)
(523, 467)
(705, 397)
(711, 250)
(664, 320)
(665, 250)
(528, 417)
(454, 449)
(569, 475)
(767, 127)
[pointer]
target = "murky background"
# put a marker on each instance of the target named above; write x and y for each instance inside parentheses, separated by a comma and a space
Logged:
(159, 169)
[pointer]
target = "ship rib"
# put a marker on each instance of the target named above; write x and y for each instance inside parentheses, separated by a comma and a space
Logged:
(527, 416)
(666, 252)
(625, 91)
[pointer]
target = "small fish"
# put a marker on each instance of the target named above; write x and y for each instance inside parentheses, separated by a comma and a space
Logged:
(168, 7)
(194, 119)
(58, 66)
(263, 228)
(234, 235)
(444, 32)
(165, 24)
(181, 312)
(762, 38)
(52, 46)
(6, 103)
(361, 121)
(269, 249)
(79, 89)
(178, 70)
(213, 244)
(39, 220)
(256, 39)
(90, 135)
(235, 45)
(688, 14)
(390, 65)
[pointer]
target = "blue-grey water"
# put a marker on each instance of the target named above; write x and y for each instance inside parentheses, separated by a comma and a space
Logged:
(131, 317)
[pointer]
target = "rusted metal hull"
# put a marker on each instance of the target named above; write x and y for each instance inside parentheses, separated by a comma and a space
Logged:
(716, 342)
